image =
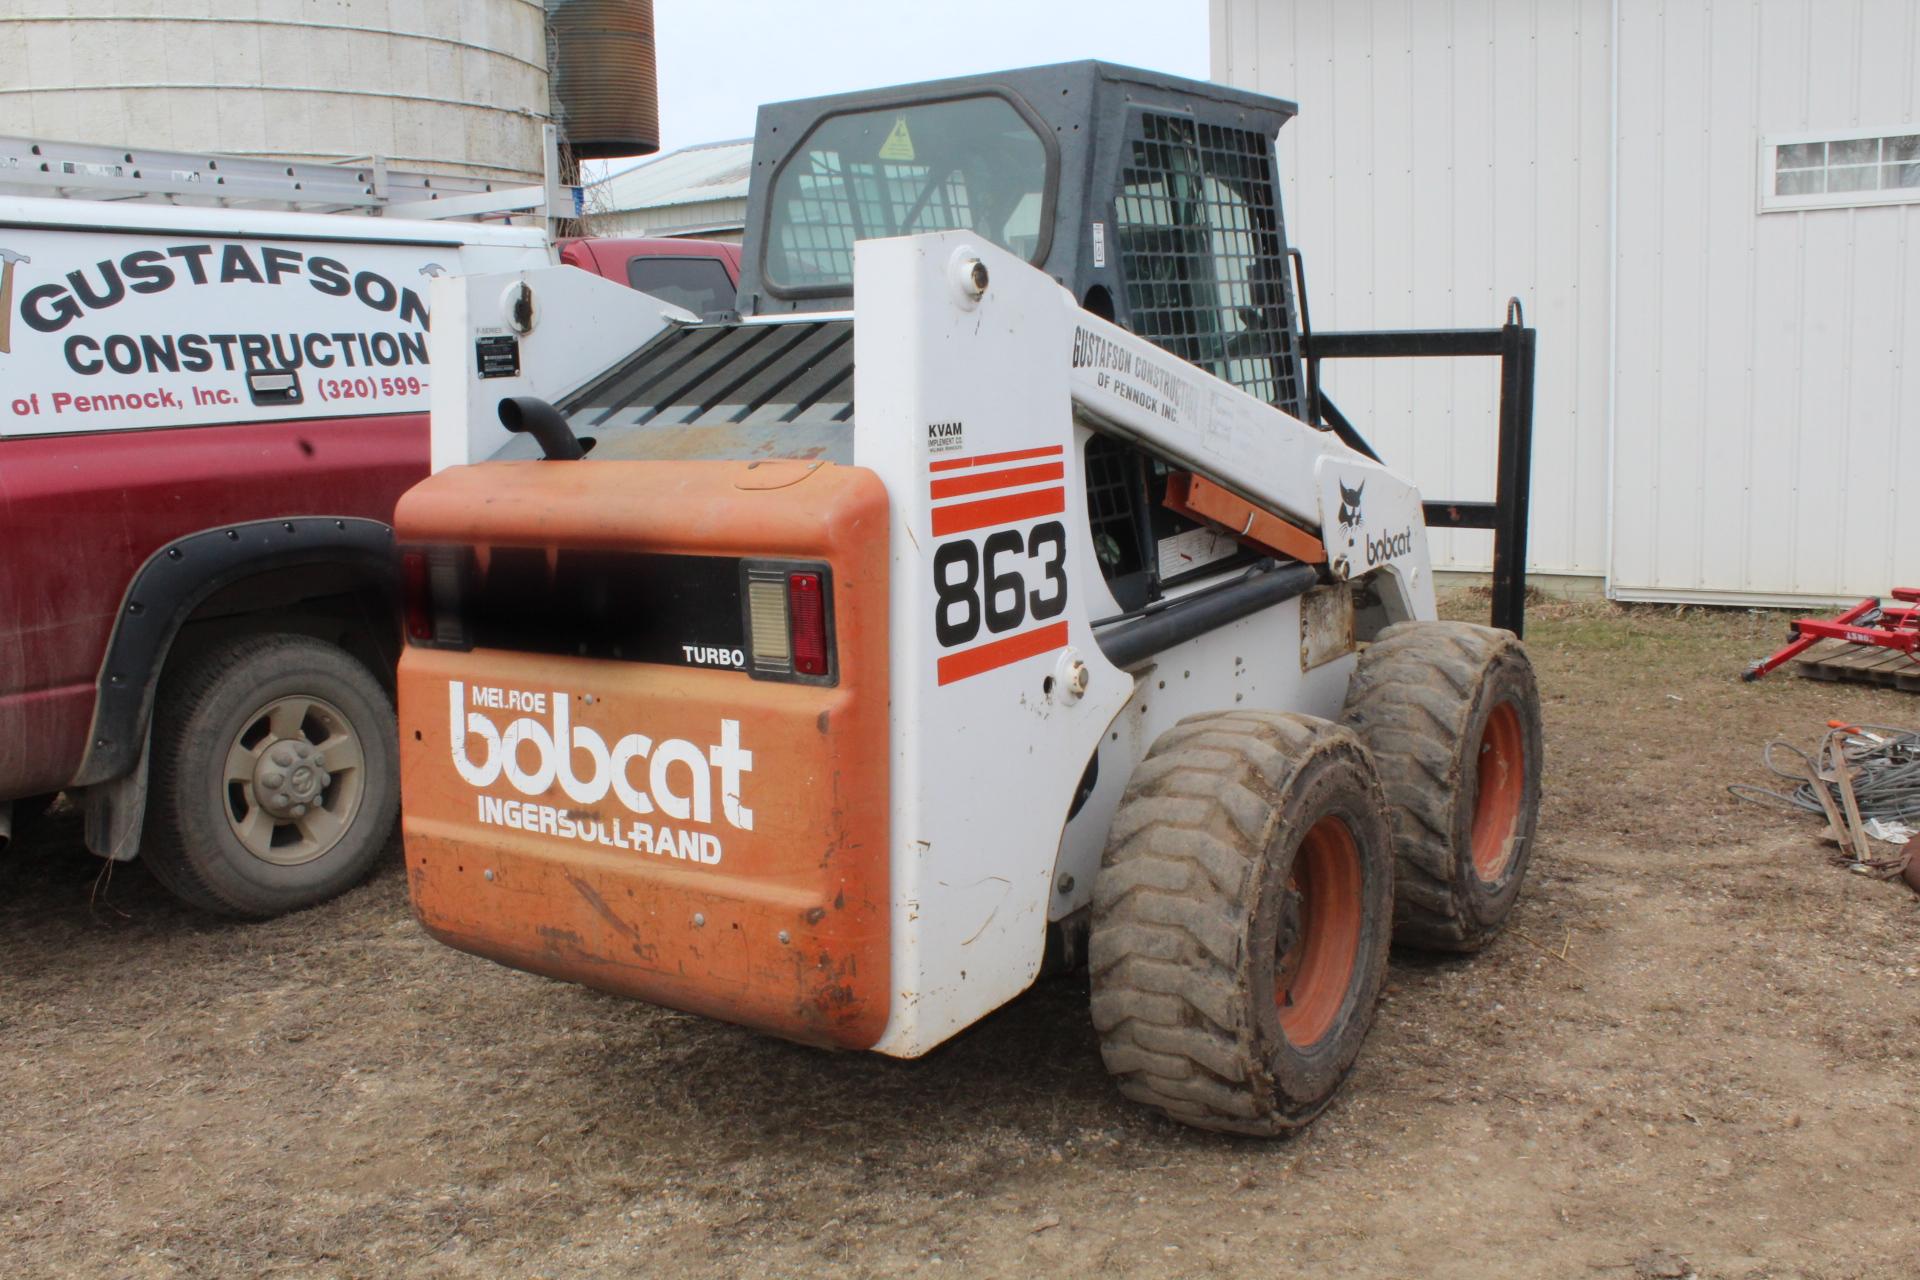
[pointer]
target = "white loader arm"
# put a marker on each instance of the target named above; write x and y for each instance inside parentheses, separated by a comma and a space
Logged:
(1135, 390)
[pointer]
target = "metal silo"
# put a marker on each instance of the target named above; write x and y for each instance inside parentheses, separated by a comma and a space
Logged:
(451, 87)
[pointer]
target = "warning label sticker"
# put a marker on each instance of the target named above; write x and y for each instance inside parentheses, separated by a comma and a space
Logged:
(899, 143)
(1185, 552)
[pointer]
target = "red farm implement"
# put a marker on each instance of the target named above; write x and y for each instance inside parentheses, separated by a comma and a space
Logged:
(1876, 642)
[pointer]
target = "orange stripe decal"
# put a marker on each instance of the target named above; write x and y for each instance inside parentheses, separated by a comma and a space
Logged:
(1011, 478)
(988, 459)
(998, 653)
(959, 517)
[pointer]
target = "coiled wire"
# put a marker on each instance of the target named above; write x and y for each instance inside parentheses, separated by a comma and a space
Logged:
(1883, 763)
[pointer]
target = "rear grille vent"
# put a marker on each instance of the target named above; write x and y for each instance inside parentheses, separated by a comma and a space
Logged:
(721, 391)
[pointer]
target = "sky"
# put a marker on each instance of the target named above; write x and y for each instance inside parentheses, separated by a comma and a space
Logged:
(718, 60)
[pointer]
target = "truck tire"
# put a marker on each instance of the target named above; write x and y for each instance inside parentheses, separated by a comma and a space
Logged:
(1451, 713)
(273, 784)
(1241, 920)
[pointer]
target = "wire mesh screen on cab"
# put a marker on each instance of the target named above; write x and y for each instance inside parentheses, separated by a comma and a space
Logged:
(1198, 230)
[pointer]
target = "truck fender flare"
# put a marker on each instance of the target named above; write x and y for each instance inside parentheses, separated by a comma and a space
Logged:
(179, 577)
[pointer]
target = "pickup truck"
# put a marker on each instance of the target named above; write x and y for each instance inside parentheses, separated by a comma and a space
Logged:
(206, 417)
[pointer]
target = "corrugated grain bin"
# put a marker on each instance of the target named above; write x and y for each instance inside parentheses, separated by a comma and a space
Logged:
(605, 98)
(452, 88)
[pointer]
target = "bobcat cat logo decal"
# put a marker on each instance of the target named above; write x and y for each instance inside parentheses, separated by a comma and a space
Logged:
(1350, 506)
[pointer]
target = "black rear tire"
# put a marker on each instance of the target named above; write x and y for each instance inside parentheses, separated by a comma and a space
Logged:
(1451, 713)
(200, 819)
(1241, 921)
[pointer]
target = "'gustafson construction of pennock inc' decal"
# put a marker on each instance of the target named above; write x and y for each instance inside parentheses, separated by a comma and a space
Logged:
(517, 745)
(104, 332)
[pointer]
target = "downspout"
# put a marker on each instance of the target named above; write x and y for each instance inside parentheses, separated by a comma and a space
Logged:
(1613, 275)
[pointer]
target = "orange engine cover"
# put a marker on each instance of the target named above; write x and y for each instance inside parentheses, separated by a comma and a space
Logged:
(696, 838)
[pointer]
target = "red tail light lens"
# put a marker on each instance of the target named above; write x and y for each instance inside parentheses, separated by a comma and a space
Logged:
(432, 587)
(807, 624)
(419, 596)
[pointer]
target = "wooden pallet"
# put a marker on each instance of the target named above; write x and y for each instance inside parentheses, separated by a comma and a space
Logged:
(1865, 664)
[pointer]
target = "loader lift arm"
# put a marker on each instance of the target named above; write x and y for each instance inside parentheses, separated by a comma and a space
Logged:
(1514, 344)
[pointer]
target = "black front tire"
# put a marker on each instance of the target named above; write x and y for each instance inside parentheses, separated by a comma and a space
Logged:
(210, 837)
(1241, 921)
(1451, 713)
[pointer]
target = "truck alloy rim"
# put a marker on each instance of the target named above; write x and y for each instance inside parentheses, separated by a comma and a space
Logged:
(293, 781)
(1320, 935)
(1500, 786)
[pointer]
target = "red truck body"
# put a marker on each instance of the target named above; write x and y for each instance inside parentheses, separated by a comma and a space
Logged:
(83, 512)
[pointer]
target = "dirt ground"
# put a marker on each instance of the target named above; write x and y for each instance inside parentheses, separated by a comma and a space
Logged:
(1693, 1053)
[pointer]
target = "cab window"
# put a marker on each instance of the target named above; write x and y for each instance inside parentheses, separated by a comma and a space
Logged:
(699, 285)
(970, 164)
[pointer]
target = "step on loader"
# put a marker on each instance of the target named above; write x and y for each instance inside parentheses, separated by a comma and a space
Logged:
(999, 589)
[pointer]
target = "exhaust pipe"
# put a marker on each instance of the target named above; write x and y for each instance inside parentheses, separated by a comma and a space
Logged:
(6, 823)
(543, 422)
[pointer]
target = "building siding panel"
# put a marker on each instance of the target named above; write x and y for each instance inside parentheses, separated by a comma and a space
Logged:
(1760, 367)
(713, 219)
(1762, 387)
(1449, 154)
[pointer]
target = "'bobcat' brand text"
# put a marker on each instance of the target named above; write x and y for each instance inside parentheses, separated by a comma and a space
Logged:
(543, 748)
(1389, 546)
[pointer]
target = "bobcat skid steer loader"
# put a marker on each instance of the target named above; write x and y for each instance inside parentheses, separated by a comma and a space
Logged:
(991, 591)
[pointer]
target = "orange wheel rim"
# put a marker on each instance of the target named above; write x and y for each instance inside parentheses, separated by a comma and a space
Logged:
(1501, 784)
(1315, 969)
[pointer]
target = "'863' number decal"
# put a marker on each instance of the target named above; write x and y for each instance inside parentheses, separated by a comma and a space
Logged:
(1004, 581)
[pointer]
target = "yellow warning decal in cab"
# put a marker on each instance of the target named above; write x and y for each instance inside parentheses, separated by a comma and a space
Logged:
(899, 143)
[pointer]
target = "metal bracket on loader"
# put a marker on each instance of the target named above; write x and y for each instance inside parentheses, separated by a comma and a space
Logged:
(1514, 344)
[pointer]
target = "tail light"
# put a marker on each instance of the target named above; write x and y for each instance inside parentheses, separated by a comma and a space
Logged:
(807, 624)
(419, 596)
(790, 621)
(432, 579)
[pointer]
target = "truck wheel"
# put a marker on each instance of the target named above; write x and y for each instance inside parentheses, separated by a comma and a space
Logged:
(1241, 921)
(273, 782)
(1452, 715)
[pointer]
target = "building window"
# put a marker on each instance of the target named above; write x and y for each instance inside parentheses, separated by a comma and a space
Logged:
(1840, 169)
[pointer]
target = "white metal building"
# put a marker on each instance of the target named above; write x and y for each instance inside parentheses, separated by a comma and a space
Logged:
(695, 191)
(1711, 211)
